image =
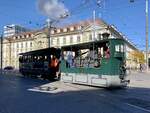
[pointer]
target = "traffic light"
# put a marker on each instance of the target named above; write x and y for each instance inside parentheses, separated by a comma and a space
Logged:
(131, 1)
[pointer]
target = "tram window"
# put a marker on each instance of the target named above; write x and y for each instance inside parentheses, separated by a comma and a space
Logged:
(122, 48)
(21, 59)
(82, 58)
(117, 48)
(45, 58)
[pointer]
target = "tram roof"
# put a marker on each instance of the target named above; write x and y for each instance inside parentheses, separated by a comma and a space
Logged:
(41, 52)
(84, 45)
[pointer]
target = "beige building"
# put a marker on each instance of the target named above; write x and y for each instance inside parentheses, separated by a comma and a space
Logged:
(80, 32)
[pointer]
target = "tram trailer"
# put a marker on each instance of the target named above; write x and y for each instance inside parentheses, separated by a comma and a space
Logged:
(100, 63)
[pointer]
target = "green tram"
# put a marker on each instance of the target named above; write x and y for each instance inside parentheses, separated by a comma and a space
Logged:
(98, 63)
(43, 62)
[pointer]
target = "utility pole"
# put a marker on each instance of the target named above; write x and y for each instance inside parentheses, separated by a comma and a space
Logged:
(94, 19)
(49, 24)
(147, 41)
(146, 34)
(1, 37)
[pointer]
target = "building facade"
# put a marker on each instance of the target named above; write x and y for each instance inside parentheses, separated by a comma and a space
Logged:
(80, 32)
(10, 30)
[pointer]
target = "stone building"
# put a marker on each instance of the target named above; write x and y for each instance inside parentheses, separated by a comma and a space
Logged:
(81, 32)
(10, 30)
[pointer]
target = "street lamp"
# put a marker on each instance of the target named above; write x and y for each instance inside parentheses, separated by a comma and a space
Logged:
(1, 38)
(49, 25)
(147, 41)
(146, 34)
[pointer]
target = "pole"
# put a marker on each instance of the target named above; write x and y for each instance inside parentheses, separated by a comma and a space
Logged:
(1, 37)
(94, 17)
(147, 41)
(49, 23)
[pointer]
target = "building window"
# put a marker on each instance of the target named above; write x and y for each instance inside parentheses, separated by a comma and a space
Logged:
(99, 36)
(24, 36)
(26, 44)
(17, 45)
(30, 44)
(21, 45)
(90, 36)
(52, 41)
(71, 39)
(64, 40)
(78, 39)
(58, 41)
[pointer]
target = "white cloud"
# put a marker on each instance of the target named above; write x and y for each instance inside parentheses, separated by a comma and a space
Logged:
(52, 8)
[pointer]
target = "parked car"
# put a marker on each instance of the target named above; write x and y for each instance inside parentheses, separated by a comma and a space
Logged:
(8, 68)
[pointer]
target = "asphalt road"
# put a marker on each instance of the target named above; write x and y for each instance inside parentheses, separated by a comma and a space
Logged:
(27, 95)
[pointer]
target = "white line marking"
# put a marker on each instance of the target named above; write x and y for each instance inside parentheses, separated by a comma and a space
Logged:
(140, 108)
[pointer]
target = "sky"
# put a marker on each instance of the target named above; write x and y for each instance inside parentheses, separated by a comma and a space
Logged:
(129, 18)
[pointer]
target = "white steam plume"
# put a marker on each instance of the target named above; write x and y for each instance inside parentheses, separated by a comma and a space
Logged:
(52, 8)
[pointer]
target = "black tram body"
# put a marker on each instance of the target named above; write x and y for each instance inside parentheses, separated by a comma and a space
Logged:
(38, 62)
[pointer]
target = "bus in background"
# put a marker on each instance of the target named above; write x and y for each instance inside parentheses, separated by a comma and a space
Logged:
(97, 63)
(44, 62)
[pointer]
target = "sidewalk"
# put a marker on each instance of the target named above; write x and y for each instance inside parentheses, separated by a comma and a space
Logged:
(139, 79)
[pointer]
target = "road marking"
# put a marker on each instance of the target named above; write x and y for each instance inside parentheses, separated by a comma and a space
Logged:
(140, 108)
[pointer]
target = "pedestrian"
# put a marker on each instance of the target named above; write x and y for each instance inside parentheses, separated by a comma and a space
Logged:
(141, 68)
(123, 68)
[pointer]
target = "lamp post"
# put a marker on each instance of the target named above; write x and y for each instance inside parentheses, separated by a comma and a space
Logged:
(146, 34)
(147, 40)
(1, 38)
(49, 25)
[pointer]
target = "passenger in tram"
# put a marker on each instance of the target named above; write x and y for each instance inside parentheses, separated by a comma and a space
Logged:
(54, 65)
(69, 62)
(107, 53)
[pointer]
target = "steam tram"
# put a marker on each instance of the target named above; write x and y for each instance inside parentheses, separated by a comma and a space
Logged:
(44, 62)
(97, 63)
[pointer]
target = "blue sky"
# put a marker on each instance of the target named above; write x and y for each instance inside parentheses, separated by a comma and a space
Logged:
(128, 17)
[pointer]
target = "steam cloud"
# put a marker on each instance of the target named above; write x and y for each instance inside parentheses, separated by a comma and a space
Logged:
(52, 8)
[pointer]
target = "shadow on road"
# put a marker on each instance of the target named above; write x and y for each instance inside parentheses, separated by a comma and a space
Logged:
(69, 98)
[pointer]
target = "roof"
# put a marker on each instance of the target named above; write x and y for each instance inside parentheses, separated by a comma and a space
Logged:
(85, 45)
(86, 23)
(41, 52)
